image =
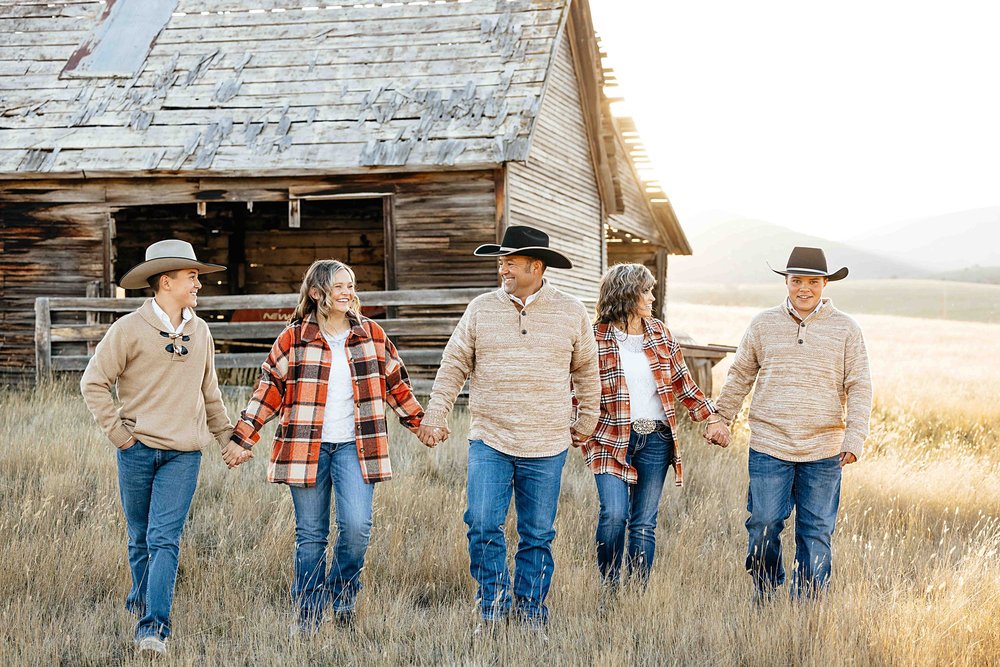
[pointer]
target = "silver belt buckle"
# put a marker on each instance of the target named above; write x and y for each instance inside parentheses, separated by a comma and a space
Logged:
(644, 426)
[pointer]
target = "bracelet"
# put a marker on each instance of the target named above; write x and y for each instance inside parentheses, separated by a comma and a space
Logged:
(715, 421)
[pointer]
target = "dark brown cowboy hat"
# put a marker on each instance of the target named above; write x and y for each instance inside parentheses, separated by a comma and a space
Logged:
(524, 240)
(809, 262)
(163, 256)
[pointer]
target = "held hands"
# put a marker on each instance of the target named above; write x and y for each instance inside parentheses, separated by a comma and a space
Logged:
(578, 439)
(717, 433)
(233, 454)
(431, 436)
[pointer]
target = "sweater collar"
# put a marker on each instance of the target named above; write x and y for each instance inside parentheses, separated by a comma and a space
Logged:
(823, 308)
(538, 297)
(149, 314)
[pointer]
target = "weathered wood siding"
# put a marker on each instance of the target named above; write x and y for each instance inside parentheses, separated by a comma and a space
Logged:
(55, 236)
(232, 86)
(556, 189)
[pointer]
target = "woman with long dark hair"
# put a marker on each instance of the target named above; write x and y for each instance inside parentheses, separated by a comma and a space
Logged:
(642, 374)
(328, 377)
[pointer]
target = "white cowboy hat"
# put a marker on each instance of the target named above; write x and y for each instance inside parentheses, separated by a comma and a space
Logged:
(169, 255)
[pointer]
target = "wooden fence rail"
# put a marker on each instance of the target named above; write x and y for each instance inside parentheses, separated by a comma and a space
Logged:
(430, 329)
(425, 325)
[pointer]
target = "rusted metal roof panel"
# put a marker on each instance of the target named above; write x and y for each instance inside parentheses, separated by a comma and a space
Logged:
(266, 87)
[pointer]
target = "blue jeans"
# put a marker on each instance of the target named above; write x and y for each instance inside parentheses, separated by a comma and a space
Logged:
(156, 488)
(632, 507)
(534, 483)
(312, 589)
(776, 486)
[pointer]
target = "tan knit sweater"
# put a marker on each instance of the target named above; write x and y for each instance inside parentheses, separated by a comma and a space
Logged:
(168, 400)
(521, 362)
(813, 395)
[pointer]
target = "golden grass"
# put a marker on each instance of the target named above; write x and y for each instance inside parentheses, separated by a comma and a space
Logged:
(916, 567)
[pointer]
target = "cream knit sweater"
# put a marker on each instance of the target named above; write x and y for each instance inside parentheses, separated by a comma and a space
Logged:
(168, 400)
(813, 394)
(521, 362)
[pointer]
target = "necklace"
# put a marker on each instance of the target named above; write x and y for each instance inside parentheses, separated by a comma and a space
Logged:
(628, 342)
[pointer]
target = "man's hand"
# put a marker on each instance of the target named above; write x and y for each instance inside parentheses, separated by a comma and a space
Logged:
(131, 441)
(847, 458)
(577, 439)
(431, 436)
(233, 454)
(717, 433)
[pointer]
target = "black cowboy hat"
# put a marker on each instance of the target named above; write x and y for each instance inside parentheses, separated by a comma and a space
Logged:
(809, 262)
(524, 240)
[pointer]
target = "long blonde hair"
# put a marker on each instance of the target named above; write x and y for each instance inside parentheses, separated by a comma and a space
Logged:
(621, 288)
(321, 275)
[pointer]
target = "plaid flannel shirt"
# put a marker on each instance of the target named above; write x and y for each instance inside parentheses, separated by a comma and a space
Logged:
(606, 449)
(293, 383)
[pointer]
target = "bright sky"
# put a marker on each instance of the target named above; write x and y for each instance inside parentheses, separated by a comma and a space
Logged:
(831, 118)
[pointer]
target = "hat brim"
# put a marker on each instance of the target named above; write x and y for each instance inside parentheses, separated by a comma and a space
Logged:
(836, 275)
(551, 257)
(138, 276)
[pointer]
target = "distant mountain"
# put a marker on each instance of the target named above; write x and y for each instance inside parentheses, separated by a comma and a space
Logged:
(941, 243)
(973, 274)
(736, 250)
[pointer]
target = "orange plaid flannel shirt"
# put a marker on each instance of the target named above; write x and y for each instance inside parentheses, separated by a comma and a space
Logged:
(606, 450)
(293, 383)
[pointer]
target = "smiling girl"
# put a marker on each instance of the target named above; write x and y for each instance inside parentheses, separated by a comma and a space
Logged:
(328, 378)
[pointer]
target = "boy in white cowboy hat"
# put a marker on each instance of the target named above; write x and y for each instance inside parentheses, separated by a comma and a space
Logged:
(808, 419)
(161, 358)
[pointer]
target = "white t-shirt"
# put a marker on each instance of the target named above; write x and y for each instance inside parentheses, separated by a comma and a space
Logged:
(644, 402)
(338, 419)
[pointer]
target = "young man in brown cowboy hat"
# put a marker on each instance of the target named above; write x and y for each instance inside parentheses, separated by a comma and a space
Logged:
(808, 419)
(160, 357)
(523, 346)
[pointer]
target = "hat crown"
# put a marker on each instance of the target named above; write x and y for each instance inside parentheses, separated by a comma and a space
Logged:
(802, 257)
(170, 248)
(522, 236)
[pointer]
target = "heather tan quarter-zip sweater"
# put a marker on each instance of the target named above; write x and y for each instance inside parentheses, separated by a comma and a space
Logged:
(168, 400)
(520, 361)
(813, 394)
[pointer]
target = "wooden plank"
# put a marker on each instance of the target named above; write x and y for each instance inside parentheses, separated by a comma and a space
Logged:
(43, 340)
(232, 302)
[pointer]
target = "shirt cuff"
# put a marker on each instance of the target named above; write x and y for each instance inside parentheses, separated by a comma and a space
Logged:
(434, 418)
(120, 436)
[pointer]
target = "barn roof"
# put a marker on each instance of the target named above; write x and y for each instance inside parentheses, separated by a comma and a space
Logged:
(269, 86)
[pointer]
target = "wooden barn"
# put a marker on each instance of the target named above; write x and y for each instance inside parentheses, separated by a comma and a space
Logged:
(397, 136)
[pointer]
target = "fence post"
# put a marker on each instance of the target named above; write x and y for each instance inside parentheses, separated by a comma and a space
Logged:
(43, 340)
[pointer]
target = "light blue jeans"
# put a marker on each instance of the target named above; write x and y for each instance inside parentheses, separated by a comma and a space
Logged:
(812, 488)
(339, 476)
(632, 509)
(534, 483)
(156, 488)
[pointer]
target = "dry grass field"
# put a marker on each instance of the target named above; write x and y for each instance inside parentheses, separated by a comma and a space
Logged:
(916, 568)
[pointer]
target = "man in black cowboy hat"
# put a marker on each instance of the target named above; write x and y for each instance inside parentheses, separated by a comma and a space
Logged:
(808, 419)
(160, 360)
(526, 348)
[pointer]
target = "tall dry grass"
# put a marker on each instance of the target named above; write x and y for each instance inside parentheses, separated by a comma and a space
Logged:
(916, 570)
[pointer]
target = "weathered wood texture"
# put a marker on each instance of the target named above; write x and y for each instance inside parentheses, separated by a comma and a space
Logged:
(332, 88)
(556, 189)
(58, 237)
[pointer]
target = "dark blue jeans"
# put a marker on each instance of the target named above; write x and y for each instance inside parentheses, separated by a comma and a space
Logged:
(812, 488)
(339, 472)
(156, 489)
(534, 483)
(632, 509)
